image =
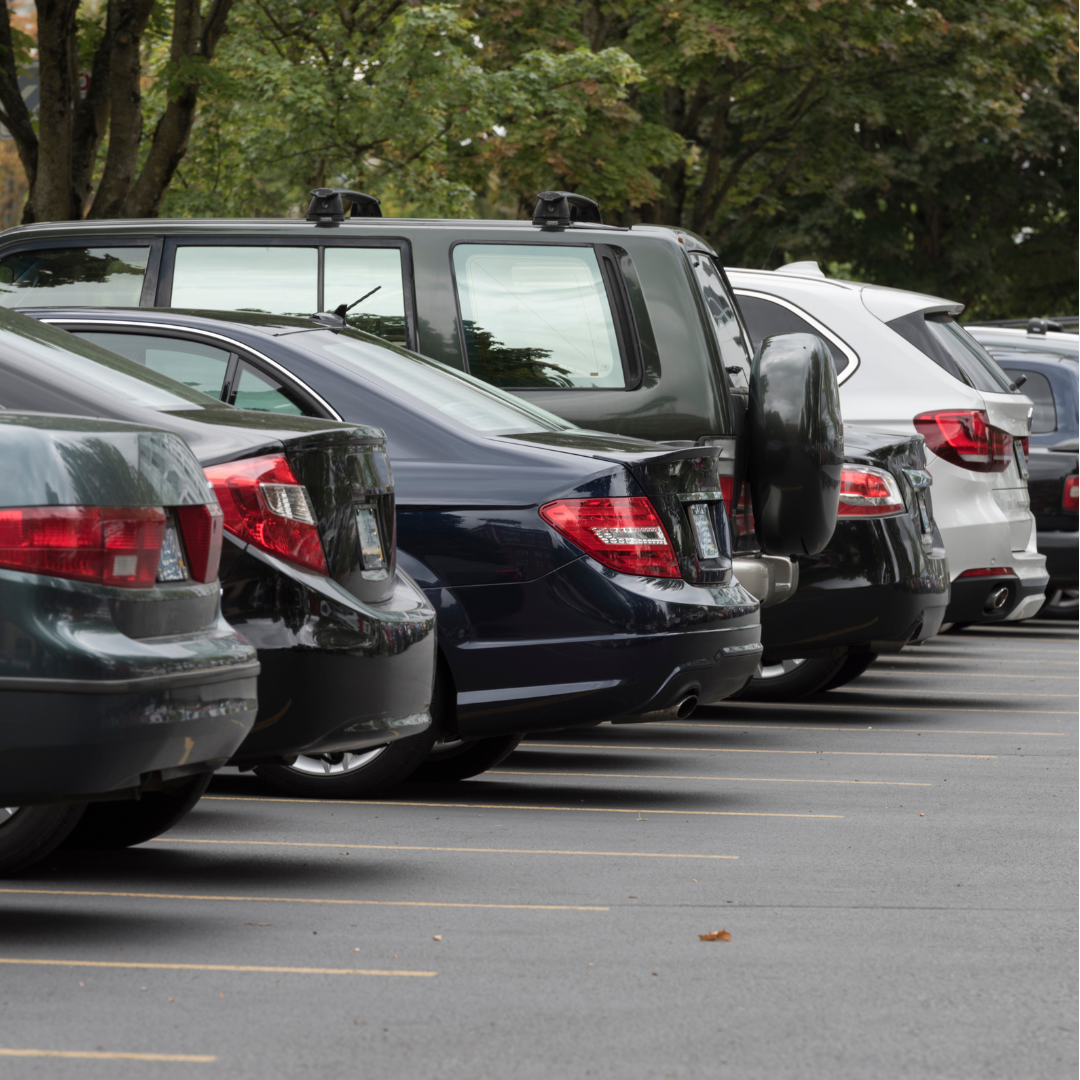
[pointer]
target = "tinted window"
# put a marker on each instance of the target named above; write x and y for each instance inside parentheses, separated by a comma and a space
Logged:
(263, 393)
(725, 322)
(192, 363)
(460, 398)
(764, 318)
(951, 347)
(350, 272)
(75, 277)
(537, 316)
(1037, 387)
(281, 280)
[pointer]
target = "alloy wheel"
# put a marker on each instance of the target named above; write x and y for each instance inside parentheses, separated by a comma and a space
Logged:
(337, 764)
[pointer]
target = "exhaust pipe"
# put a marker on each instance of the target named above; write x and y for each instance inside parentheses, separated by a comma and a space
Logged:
(686, 707)
(996, 600)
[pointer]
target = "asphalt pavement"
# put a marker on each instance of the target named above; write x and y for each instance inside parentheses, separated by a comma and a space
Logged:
(887, 873)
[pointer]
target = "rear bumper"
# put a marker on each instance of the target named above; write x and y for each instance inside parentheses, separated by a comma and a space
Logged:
(980, 600)
(873, 589)
(337, 674)
(600, 646)
(1060, 549)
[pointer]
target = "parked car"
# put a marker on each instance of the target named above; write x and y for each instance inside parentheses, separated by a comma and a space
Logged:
(308, 566)
(881, 582)
(578, 577)
(1044, 363)
(906, 365)
(119, 678)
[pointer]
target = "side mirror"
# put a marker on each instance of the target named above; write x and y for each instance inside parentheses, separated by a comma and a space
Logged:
(795, 444)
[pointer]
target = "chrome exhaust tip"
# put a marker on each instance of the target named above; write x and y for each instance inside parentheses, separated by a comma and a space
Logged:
(686, 707)
(996, 600)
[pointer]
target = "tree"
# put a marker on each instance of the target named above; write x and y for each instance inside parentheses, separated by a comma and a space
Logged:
(60, 154)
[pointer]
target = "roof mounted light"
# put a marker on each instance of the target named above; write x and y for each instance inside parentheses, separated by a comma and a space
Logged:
(560, 209)
(327, 206)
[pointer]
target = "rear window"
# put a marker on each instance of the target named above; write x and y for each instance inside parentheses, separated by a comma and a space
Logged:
(939, 336)
(537, 316)
(1037, 387)
(74, 277)
(69, 357)
(765, 318)
(458, 397)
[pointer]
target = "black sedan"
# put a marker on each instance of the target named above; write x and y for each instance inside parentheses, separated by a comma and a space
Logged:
(1046, 364)
(308, 568)
(119, 679)
(578, 577)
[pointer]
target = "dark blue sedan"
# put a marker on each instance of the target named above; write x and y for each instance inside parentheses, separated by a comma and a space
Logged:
(578, 577)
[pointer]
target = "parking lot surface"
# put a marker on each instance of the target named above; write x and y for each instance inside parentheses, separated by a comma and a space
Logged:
(894, 863)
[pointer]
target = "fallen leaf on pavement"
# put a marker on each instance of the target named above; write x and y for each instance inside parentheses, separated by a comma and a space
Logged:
(716, 935)
(436, 937)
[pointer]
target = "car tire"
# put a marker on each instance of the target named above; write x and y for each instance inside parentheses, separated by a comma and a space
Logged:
(1060, 604)
(853, 666)
(111, 826)
(362, 774)
(29, 834)
(459, 759)
(790, 679)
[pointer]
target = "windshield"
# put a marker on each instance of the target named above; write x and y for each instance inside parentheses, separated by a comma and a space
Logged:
(459, 397)
(939, 336)
(70, 357)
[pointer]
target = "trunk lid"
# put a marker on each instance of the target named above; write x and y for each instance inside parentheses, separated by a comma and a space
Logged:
(683, 485)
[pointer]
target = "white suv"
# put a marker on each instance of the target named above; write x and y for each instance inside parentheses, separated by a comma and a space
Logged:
(904, 364)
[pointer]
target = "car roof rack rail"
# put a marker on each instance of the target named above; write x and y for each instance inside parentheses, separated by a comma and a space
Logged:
(560, 209)
(327, 206)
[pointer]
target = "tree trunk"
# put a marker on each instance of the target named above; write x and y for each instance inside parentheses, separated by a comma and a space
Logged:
(15, 116)
(51, 192)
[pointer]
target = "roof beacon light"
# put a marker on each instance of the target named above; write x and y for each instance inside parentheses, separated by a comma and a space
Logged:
(560, 209)
(327, 206)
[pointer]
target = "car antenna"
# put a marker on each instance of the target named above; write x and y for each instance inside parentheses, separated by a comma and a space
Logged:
(342, 310)
(768, 258)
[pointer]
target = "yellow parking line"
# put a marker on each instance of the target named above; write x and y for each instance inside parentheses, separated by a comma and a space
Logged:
(757, 706)
(411, 847)
(296, 900)
(106, 1055)
(734, 750)
(514, 806)
(753, 726)
(661, 776)
(210, 967)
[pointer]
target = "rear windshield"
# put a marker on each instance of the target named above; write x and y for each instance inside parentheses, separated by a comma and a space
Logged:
(67, 357)
(939, 336)
(461, 398)
(74, 277)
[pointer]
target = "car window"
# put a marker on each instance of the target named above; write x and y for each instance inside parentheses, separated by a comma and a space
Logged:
(196, 365)
(350, 272)
(263, 393)
(282, 280)
(537, 316)
(82, 277)
(461, 398)
(940, 337)
(1037, 387)
(764, 318)
(63, 355)
(725, 323)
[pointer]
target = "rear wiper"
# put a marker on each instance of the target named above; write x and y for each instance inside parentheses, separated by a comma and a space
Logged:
(330, 320)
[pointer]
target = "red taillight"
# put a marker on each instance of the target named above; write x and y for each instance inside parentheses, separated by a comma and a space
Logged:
(868, 492)
(1070, 497)
(624, 533)
(966, 438)
(265, 506)
(110, 545)
(202, 527)
(989, 571)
